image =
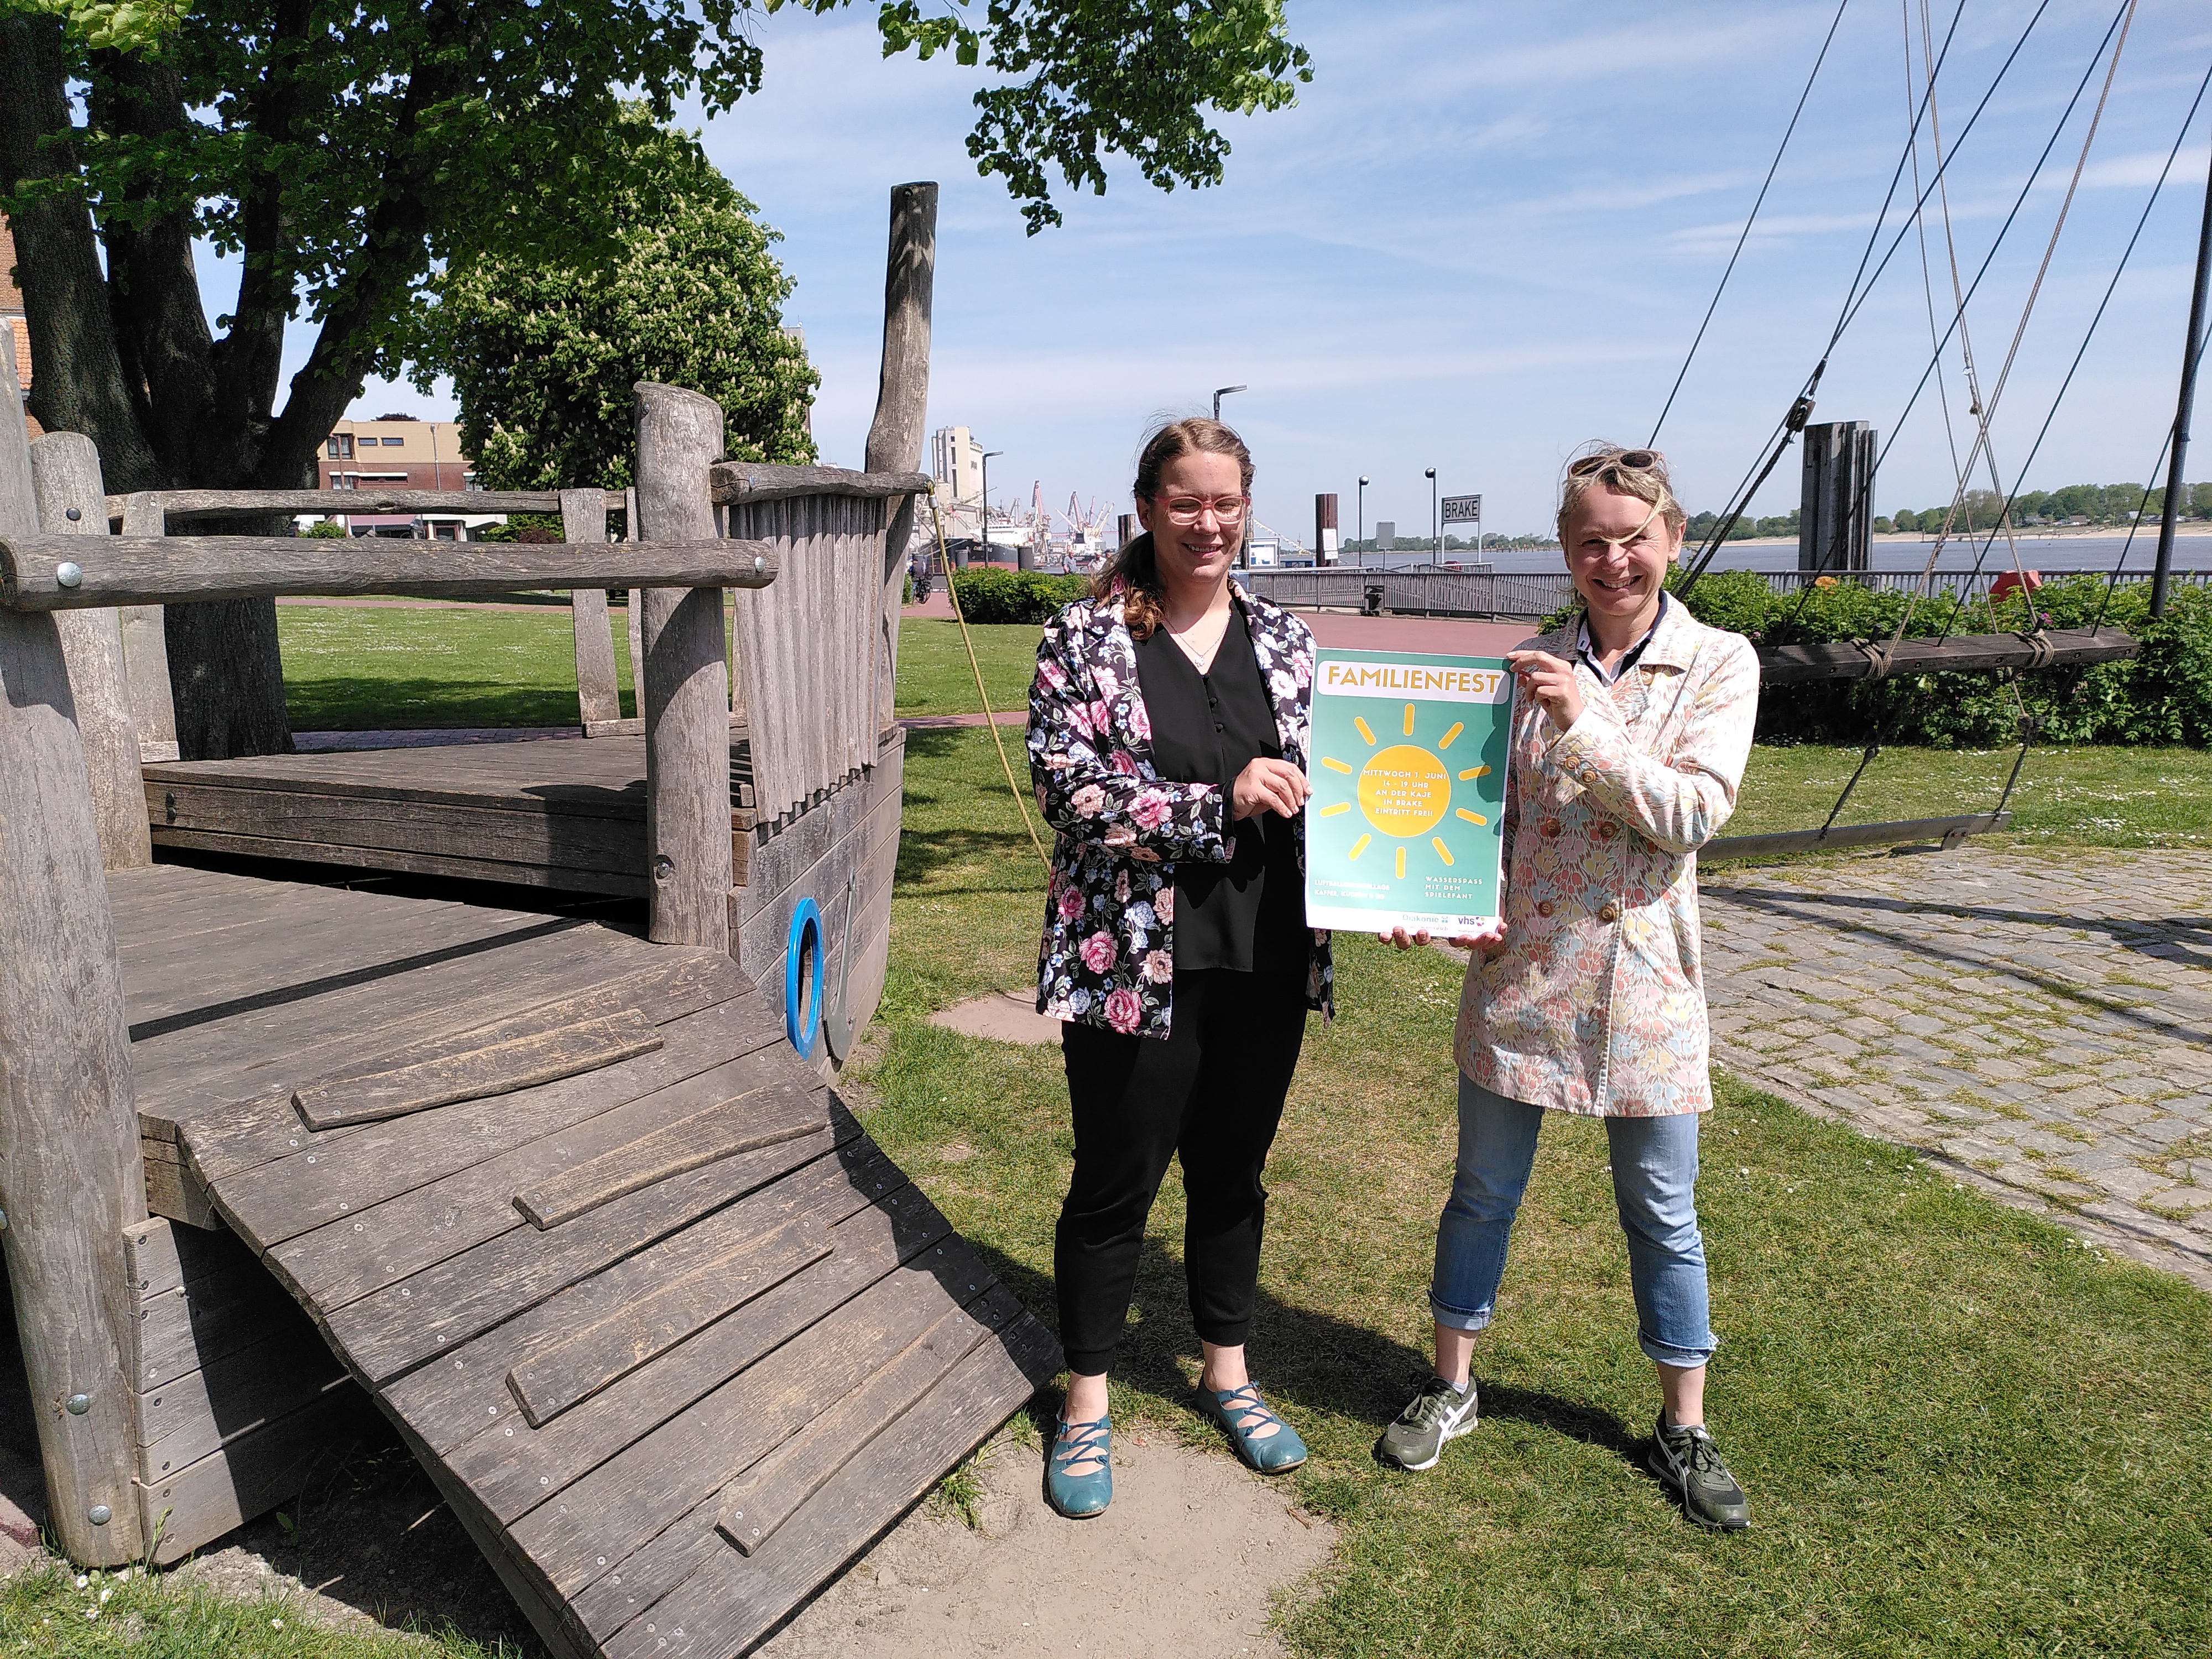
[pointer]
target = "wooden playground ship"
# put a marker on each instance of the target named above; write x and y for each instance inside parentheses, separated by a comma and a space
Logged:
(575, 1207)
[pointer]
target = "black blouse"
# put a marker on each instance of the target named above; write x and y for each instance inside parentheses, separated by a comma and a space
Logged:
(1207, 728)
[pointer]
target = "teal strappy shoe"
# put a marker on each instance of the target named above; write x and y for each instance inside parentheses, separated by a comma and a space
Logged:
(1079, 1497)
(1241, 1411)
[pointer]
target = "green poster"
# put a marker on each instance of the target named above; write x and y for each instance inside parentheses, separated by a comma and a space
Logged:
(1405, 825)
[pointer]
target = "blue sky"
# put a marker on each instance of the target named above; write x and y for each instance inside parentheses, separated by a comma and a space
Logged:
(1487, 233)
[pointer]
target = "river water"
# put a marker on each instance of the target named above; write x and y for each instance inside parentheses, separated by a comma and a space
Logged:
(2052, 555)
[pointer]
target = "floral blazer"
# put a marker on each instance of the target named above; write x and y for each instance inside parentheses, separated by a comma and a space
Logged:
(1107, 954)
(1596, 1003)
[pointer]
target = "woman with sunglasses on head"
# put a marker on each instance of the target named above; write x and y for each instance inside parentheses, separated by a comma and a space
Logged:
(1632, 725)
(1167, 741)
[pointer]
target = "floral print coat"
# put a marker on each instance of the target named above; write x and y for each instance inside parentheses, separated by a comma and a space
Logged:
(1107, 954)
(1596, 1004)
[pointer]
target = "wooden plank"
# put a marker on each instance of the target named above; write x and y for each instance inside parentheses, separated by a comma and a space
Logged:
(727, 1604)
(163, 570)
(548, 775)
(575, 1369)
(616, 846)
(1965, 653)
(704, 1026)
(160, 1259)
(146, 646)
(724, 1129)
(66, 470)
(684, 696)
(465, 1394)
(379, 1244)
(68, 1134)
(631, 726)
(584, 519)
(745, 483)
(517, 1468)
(401, 1326)
(325, 938)
(496, 1068)
(637, 1495)
(185, 506)
(172, 1192)
(251, 1476)
(216, 1061)
(566, 880)
(562, 1635)
(188, 1417)
(1950, 831)
(183, 1330)
(772, 1490)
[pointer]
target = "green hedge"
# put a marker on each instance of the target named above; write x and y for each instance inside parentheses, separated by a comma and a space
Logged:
(2163, 696)
(988, 595)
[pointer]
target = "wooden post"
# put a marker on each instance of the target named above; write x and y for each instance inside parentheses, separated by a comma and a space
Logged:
(72, 501)
(2162, 572)
(146, 645)
(70, 1178)
(1835, 519)
(584, 519)
(902, 395)
(633, 613)
(1325, 542)
(685, 698)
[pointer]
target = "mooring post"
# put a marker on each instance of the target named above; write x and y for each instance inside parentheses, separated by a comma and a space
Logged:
(684, 694)
(72, 501)
(70, 1175)
(1835, 519)
(903, 393)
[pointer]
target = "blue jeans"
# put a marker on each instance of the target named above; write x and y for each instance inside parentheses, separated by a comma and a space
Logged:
(1654, 1177)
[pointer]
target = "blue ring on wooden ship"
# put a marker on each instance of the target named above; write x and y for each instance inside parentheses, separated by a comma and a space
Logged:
(805, 921)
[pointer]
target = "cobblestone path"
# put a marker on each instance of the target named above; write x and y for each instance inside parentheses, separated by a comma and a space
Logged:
(2041, 1024)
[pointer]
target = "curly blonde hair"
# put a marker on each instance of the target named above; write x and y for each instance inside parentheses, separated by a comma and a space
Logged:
(1650, 483)
(1144, 604)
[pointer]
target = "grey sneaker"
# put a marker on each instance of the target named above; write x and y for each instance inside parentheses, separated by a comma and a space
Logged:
(1437, 1414)
(1689, 1465)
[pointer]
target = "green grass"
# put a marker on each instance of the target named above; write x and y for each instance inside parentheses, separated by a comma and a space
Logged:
(1962, 1433)
(355, 668)
(136, 1615)
(2096, 797)
(934, 678)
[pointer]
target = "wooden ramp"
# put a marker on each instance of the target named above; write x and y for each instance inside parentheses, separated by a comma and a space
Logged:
(675, 1339)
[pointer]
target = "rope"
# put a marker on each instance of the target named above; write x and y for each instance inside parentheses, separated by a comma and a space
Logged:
(1984, 409)
(1759, 201)
(951, 587)
(2089, 334)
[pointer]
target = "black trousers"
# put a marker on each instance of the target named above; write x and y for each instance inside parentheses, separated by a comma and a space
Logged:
(1211, 1094)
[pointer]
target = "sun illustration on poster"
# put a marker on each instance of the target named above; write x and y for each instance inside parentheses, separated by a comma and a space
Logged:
(1403, 792)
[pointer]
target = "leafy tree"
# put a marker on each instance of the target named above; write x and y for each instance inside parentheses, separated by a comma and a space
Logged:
(543, 353)
(346, 150)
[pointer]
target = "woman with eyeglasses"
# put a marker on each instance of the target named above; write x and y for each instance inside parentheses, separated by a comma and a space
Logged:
(1167, 741)
(1633, 724)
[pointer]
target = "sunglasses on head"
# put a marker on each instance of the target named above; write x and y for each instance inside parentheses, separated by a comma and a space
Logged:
(1632, 460)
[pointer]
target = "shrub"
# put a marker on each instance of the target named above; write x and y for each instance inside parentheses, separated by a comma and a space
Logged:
(323, 529)
(2162, 696)
(986, 595)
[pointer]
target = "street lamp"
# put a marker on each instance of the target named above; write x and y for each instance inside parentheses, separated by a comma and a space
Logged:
(986, 520)
(1362, 537)
(1221, 391)
(1437, 541)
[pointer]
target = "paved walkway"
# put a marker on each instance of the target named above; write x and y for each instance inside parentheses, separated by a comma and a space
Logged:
(2042, 1025)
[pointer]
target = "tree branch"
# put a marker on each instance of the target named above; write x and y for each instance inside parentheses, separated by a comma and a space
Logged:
(79, 385)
